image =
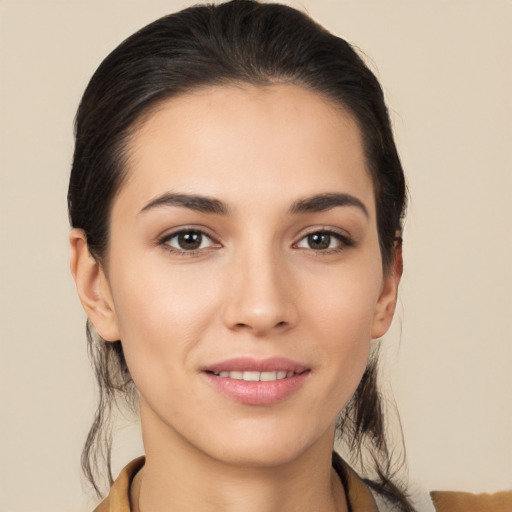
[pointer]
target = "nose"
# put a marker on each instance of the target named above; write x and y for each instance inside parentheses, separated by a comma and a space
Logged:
(260, 297)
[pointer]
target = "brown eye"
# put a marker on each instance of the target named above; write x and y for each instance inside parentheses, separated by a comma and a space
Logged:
(319, 241)
(324, 241)
(188, 240)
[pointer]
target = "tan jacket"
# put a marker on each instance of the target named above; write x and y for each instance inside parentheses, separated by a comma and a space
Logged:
(359, 497)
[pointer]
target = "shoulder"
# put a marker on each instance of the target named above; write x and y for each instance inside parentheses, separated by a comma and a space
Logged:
(359, 496)
(118, 499)
(453, 501)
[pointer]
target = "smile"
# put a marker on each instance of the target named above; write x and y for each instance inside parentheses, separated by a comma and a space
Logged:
(254, 381)
(251, 376)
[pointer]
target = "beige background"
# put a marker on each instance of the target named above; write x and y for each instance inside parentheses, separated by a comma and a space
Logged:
(445, 66)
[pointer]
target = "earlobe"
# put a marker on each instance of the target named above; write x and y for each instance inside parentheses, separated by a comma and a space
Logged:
(92, 287)
(386, 304)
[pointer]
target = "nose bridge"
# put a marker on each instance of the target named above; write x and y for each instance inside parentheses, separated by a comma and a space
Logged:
(260, 297)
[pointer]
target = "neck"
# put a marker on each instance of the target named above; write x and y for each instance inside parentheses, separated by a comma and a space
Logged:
(177, 476)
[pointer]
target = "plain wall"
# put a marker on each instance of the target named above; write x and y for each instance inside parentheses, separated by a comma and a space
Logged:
(445, 68)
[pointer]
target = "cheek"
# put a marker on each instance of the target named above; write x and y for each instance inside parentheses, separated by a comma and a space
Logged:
(347, 335)
(161, 312)
(345, 302)
(344, 310)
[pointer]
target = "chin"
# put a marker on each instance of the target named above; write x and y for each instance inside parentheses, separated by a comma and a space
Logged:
(251, 458)
(261, 448)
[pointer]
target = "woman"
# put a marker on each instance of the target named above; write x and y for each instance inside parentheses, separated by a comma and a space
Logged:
(236, 200)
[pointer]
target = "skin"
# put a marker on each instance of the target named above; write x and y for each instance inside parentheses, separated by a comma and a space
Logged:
(256, 287)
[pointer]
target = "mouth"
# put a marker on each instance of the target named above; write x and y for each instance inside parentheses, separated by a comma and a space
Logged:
(257, 382)
(251, 376)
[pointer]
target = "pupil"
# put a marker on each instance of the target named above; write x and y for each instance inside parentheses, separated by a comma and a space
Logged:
(189, 240)
(319, 241)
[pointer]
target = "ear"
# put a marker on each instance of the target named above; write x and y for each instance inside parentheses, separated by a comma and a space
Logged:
(92, 287)
(386, 304)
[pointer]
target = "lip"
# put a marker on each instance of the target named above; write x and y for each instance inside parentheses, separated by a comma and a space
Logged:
(257, 392)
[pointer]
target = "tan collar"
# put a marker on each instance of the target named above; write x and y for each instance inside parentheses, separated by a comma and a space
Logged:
(359, 497)
(118, 499)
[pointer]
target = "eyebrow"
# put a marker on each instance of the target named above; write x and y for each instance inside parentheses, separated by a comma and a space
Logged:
(193, 202)
(323, 202)
(204, 204)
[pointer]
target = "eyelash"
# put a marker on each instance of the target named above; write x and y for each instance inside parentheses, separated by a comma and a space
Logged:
(343, 241)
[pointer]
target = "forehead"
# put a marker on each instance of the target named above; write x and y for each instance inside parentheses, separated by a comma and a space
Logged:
(236, 141)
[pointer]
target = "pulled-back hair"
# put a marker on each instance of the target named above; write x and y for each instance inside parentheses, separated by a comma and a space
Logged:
(238, 42)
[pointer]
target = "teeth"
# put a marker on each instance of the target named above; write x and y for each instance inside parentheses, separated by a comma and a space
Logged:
(256, 376)
(251, 376)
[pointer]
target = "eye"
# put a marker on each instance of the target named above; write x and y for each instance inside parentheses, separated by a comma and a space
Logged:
(188, 240)
(323, 241)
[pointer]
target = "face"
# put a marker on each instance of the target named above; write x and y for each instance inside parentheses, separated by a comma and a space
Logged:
(243, 273)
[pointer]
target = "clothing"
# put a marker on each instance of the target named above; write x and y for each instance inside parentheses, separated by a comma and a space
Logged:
(451, 501)
(118, 499)
(359, 497)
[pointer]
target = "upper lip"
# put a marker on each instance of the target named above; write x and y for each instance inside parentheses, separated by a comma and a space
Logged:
(271, 364)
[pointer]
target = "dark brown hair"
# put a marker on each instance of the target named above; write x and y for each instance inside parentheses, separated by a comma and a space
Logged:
(241, 41)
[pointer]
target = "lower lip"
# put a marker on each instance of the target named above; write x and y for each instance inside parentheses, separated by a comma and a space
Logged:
(260, 392)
